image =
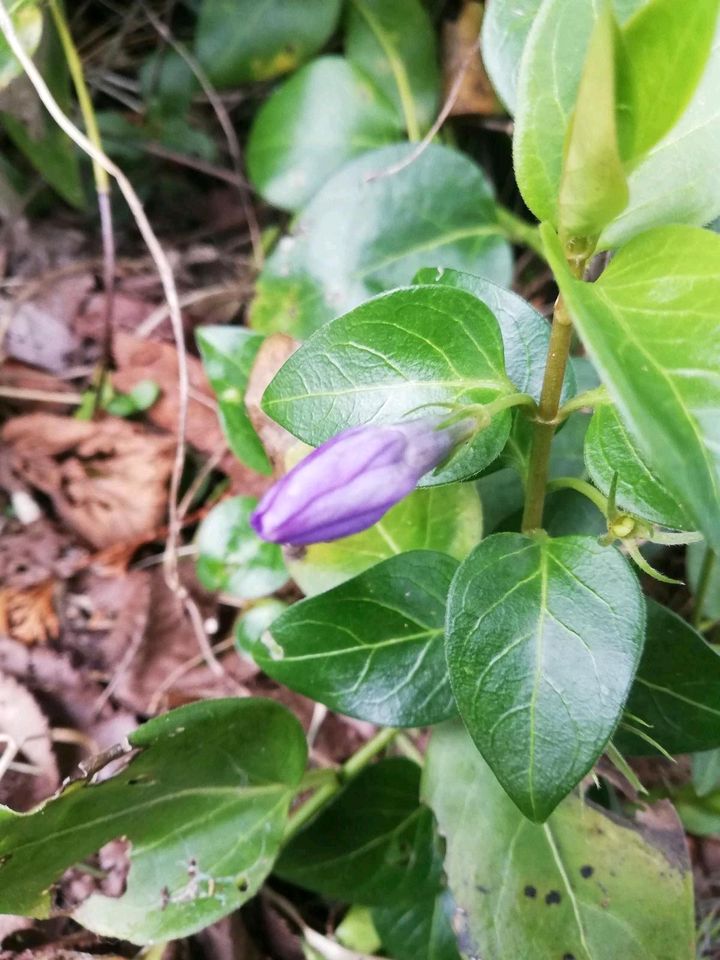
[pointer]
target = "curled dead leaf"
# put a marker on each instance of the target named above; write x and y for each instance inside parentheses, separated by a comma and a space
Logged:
(461, 55)
(28, 614)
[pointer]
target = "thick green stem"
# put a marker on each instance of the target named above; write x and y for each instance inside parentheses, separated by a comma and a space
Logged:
(325, 793)
(706, 571)
(520, 231)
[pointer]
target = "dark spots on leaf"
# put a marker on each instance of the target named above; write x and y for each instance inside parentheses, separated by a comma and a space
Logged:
(586, 871)
(530, 891)
(481, 889)
(143, 779)
(568, 956)
(553, 897)
(242, 884)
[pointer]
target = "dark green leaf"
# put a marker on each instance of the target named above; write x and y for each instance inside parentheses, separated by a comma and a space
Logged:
(203, 805)
(373, 844)
(167, 84)
(242, 40)
(651, 326)
(372, 648)
(610, 450)
(695, 560)
(448, 520)
(586, 885)
(543, 640)
(232, 558)
(676, 690)
(319, 119)
(420, 930)
(412, 348)
(394, 45)
(362, 234)
(505, 29)
(228, 354)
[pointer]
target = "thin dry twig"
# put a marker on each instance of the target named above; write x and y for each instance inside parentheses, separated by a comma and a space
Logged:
(167, 279)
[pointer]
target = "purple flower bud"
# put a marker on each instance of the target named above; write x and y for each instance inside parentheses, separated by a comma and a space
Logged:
(350, 482)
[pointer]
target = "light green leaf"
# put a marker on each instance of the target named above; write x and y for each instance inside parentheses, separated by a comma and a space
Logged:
(412, 348)
(374, 843)
(505, 29)
(242, 40)
(610, 451)
(543, 640)
(706, 772)
(228, 354)
(676, 691)
(362, 234)
(652, 326)
(593, 187)
(27, 19)
(203, 805)
(231, 556)
(372, 648)
(586, 884)
(447, 519)
(695, 557)
(394, 46)
(323, 116)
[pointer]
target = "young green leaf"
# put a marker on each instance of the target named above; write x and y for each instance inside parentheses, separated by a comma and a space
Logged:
(665, 48)
(410, 348)
(447, 519)
(363, 233)
(231, 556)
(543, 640)
(676, 693)
(611, 451)
(593, 187)
(372, 648)
(586, 885)
(203, 805)
(323, 116)
(394, 46)
(27, 19)
(228, 354)
(375, 843)
(242, 40)
(651, 325)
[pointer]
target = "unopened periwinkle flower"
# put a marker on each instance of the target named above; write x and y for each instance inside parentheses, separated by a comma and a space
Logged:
(352, 480)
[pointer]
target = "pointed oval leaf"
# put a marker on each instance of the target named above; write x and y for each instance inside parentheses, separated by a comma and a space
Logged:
(586, 885)
(372, 648)
(506, 25)
(676, 691)
(374, 843)
(408, 349)
(610, 450)
(324, 115)
(652, 326)
(365, 232)
(543, 640)
(212, 784)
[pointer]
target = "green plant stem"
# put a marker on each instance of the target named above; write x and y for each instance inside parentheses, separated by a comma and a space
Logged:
(706, 571)
(520, 231)
(590, 398)
(580, 486)
(325, 793)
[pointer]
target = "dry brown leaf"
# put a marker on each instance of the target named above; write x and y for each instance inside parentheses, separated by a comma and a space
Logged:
(276, 440)
(461, 54)
(107, 480)
(29, 615)
(24, 724)
(20, 376)
(33, 552)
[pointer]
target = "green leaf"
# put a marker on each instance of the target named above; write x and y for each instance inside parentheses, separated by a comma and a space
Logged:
(525, 332)
(650, 324)
(610, 450)
(372, 648)
(362, 234)
(323, 116)
(586, 884)
(665, 49)
(232, 558)
(448, 520)
(706, 772)
(502, 494)
(253, 623)
(420, 930)
(27, 20)
(242, 40)
(228, 354)
(374, 843)
(676, 690)
(142, 396)
(506, 25)
(543, 640)
(700, 815)
(203, 805)
(167, 85)
(695, 556)
(593, 187)
(394, 45)
(418, 347)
